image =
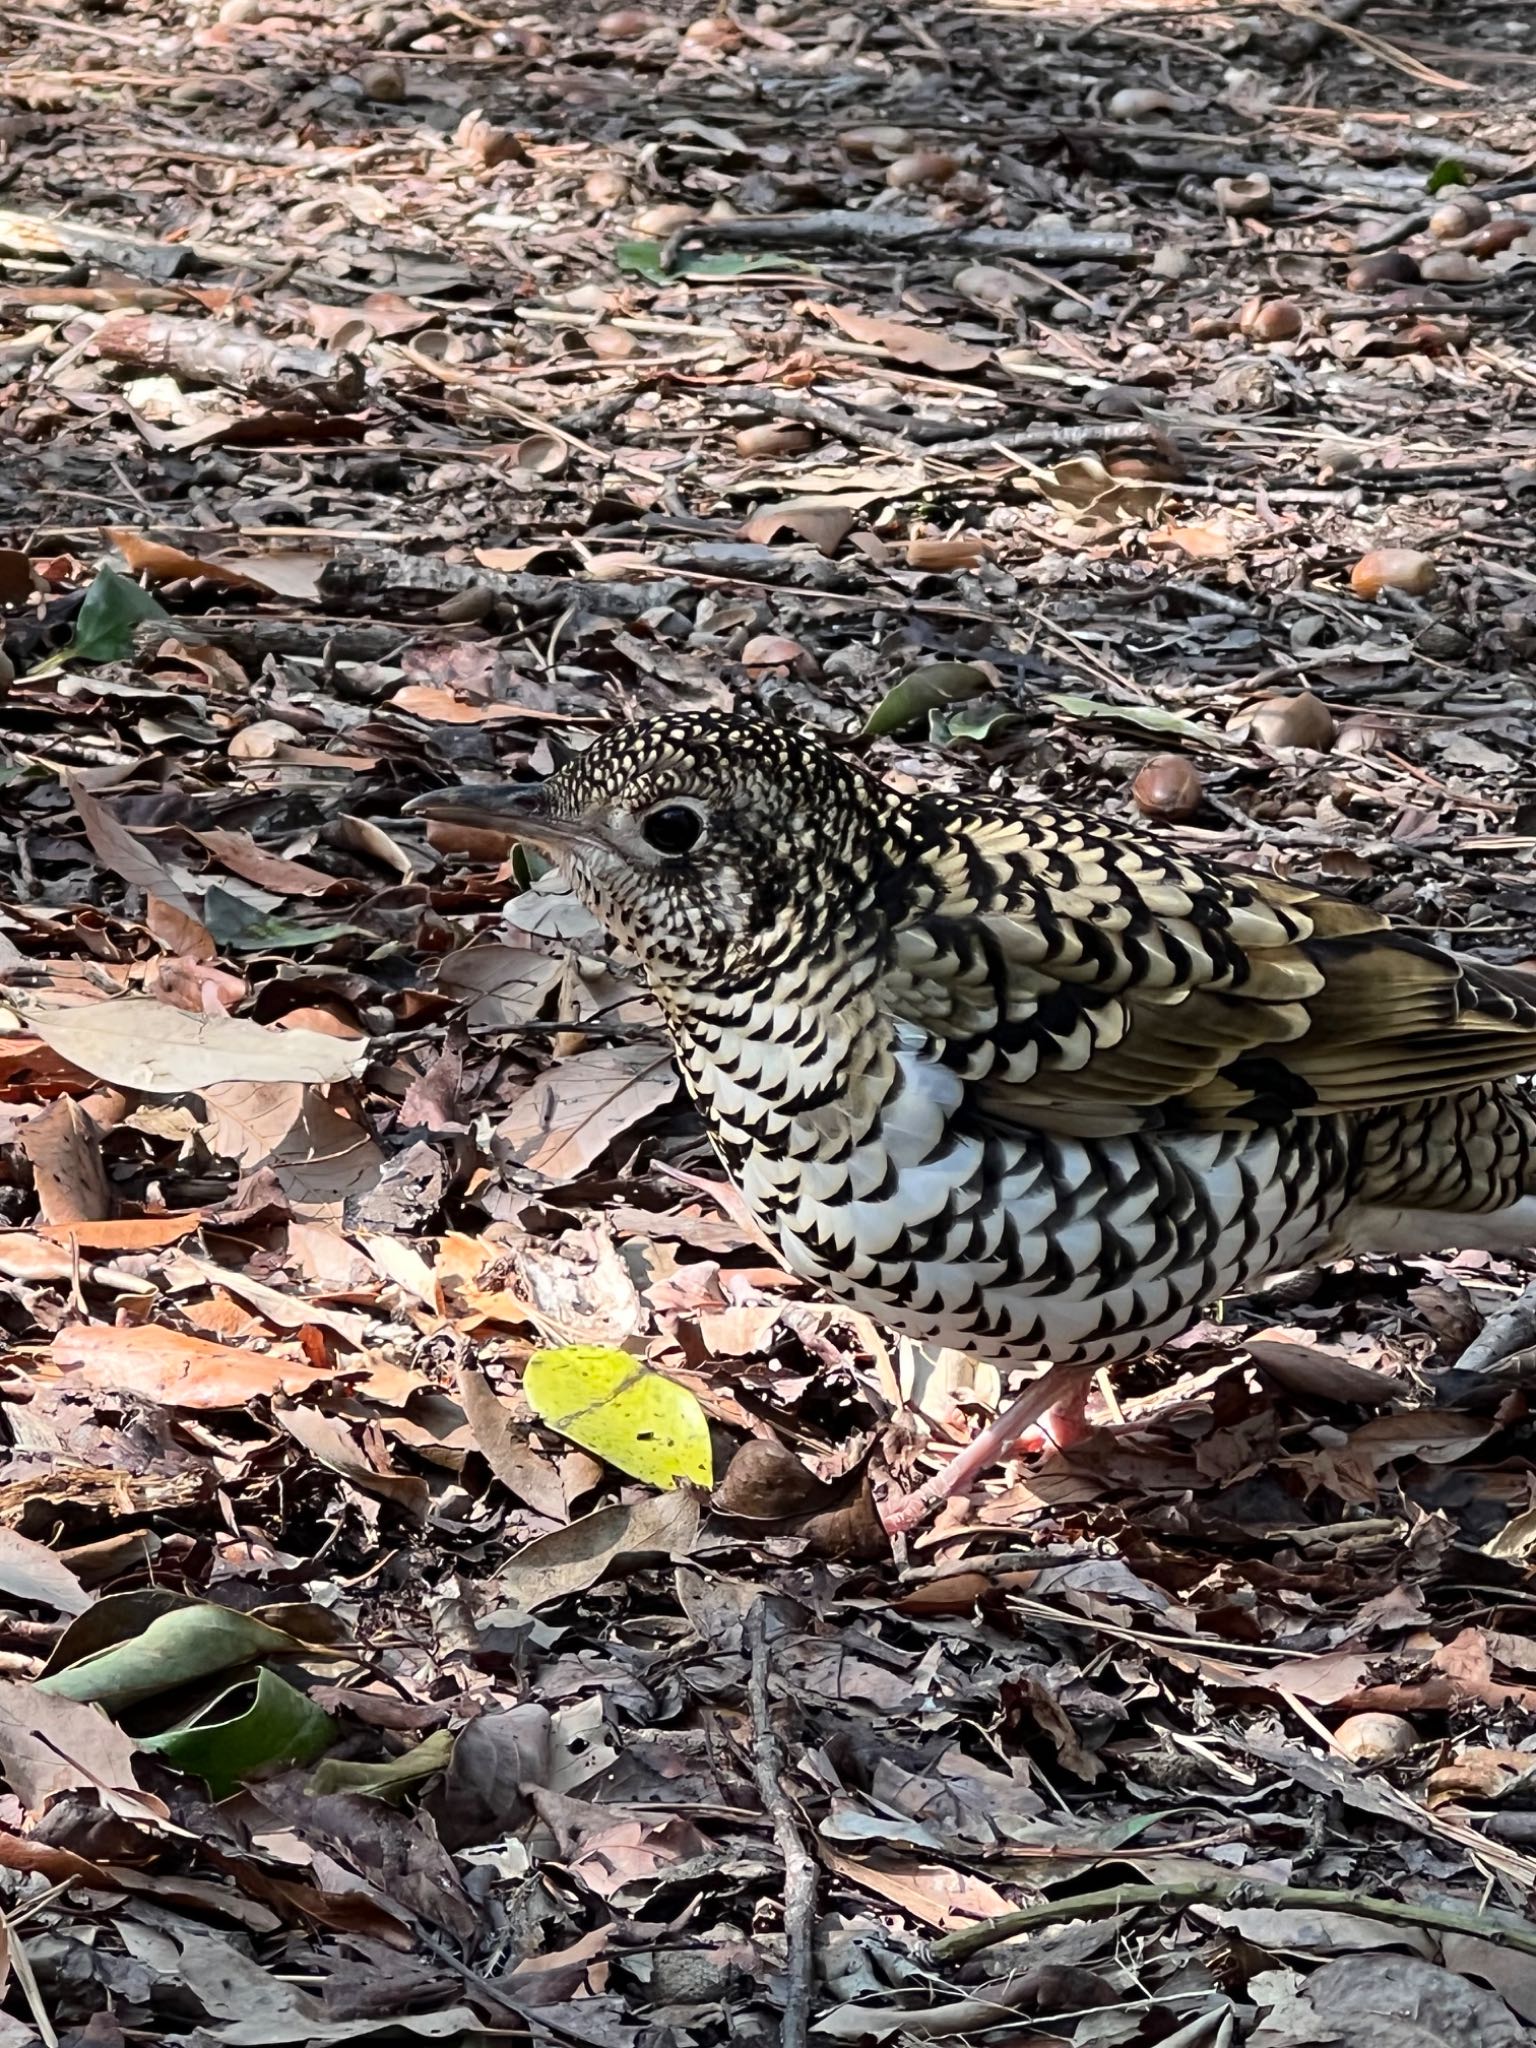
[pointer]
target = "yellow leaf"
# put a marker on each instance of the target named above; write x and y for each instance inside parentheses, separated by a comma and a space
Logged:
(622, 1412)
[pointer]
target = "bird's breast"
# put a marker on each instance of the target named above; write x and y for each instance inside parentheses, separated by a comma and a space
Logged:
(867, 1160)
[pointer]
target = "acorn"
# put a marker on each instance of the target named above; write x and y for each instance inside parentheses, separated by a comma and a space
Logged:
(989, 286)
(664, 219)
(1499, 235)
(1271, 319)
(774, 650)
(485, 142)
(1375, 1738)
(921, 170)
(1450, 266)
(1380, 272)
(1463, 215)
(1299, 721)
(605, 188)
(1406, 569)
(1169, 788)
(382, 83)
(775, 437)
(625, 24)
(875, 143)
(711, 32)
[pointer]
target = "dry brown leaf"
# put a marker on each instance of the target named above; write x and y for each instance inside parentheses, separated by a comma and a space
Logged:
(161, 563)
(174, 1369)
(905, 343)
(32, 1572)
(517, 1465)
(825, 522)
(50, 1745)
(124, 1233)
(504, 986)
(313, 1140)
(169, 914)
(1204, 542)
(332, 1443)
(64, 1148)
(445, 707)
(570, 1560)
(239, 852)
(575, 1110)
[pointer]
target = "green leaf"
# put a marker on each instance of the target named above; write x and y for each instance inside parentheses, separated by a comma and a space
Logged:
(645, 257)
(104, 625)
(976, 721)
(246, 1729)
(1446, 172)
(622, 1412)
(386, 1780)
(239, 927)
(175, 1649)
(1139, 717)
(909, 703)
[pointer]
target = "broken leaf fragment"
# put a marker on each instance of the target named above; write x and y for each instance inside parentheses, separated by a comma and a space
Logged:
(618, 1409)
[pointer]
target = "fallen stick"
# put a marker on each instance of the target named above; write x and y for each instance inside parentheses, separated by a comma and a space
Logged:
(214, 352)
(799, 1865)
(886, 229)
(1233, 1890)
(353, 578)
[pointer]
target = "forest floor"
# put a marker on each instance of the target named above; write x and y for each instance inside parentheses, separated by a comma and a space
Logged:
(390, 394)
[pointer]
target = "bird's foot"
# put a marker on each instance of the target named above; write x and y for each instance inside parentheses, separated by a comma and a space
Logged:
(1050, 1408)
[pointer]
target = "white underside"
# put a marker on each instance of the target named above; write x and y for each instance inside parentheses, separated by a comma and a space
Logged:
(1414, 1232)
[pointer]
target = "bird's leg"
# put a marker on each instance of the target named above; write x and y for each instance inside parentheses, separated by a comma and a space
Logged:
(1064, 1387)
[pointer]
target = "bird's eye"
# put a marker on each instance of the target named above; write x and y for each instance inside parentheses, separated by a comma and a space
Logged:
(673, 828)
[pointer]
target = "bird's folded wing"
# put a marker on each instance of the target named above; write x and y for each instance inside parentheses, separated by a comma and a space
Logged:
(1091, 982)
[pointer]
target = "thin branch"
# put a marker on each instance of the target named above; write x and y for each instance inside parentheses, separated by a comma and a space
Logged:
(1233, 1891)
(885, 228)
(799, 1864)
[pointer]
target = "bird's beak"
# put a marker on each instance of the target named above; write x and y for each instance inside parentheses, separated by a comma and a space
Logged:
(518, 808)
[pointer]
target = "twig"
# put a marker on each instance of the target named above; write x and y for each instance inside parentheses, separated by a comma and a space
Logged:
(1511, 1330)
(388, 573)
(799, 1865)
(1232, 1891)
(825, 418)
(888, 229)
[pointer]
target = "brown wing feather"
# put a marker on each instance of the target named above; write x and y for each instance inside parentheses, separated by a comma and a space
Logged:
(1090, 981)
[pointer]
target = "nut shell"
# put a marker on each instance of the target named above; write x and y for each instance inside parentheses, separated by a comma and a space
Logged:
(1299, 721)
(1382, 569)
(1168, 788)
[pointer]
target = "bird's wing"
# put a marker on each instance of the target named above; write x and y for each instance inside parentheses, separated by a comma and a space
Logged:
(1092, 981)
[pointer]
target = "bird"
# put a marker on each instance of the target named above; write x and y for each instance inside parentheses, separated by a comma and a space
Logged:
(1019, 1080)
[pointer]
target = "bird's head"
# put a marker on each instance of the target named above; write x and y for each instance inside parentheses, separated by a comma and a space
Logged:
(711, 844)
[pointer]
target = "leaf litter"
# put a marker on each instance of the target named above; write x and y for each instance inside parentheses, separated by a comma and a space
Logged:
(390, 398)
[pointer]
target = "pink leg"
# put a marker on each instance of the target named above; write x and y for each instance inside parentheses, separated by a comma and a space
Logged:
(1064, 1388)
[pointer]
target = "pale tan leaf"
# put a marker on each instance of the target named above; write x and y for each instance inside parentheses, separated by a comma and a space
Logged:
(135, 1042)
